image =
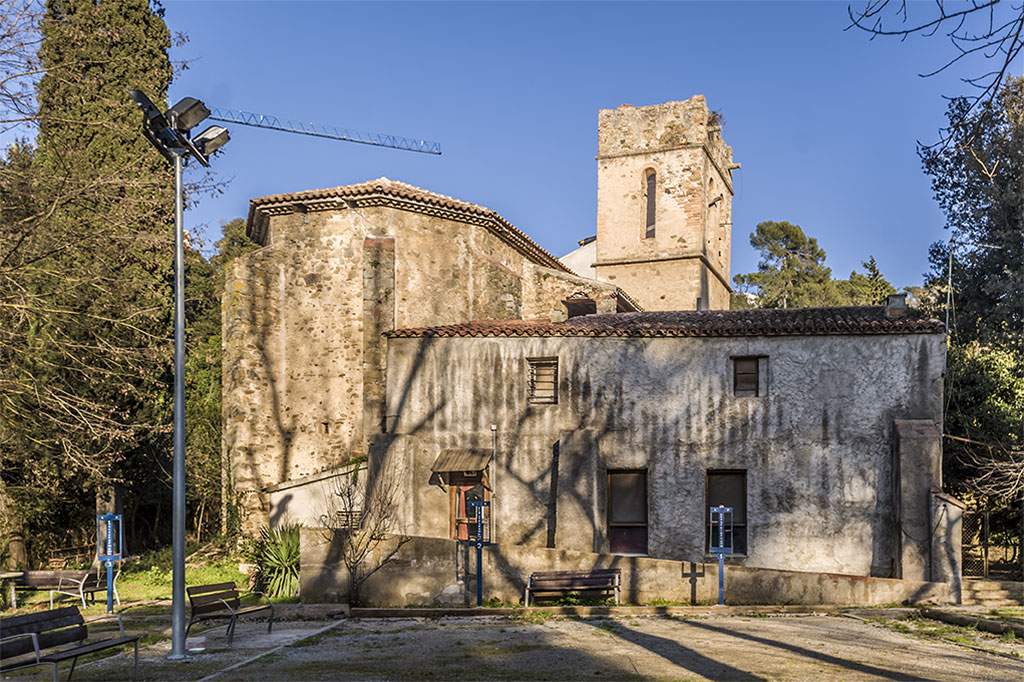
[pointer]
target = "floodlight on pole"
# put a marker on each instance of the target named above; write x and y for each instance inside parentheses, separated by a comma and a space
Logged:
(168, 132)
(211, 139)
(187, 114)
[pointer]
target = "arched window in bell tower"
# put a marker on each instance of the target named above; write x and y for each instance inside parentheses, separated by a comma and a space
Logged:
(650, 192)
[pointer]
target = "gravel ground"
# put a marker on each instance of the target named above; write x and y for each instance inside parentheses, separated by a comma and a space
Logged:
(720, 648)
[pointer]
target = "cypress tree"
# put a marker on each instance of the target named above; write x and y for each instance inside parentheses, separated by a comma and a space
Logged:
(92, 404)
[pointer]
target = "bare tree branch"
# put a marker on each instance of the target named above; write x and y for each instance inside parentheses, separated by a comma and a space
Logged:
(978, 31)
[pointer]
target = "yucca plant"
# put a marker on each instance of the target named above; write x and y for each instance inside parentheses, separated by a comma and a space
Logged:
(276, 555)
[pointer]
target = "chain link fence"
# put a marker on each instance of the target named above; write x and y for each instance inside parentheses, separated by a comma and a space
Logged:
(992, 544)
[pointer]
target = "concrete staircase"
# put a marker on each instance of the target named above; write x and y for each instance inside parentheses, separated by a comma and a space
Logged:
(992, 593)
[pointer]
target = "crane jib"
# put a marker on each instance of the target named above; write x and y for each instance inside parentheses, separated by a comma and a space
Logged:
(247, 118)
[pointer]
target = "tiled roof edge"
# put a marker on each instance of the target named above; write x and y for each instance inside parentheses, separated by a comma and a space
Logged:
(403, 196)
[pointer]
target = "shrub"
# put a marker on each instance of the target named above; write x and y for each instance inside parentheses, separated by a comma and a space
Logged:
(276, 555)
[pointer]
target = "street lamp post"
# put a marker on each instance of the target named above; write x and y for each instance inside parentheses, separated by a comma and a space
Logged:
(168, 132)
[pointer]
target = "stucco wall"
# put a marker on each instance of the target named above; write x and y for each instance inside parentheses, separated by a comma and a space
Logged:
(431, 571)
(818, 449)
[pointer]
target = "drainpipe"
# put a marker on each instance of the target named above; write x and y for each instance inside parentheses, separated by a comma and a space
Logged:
(494, 482)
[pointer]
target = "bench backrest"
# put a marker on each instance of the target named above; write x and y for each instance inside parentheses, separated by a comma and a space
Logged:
(573, 580)
(54, 628)
(42, 580)
(211, 598)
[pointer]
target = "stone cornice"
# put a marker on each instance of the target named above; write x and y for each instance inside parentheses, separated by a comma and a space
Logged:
(658, 259)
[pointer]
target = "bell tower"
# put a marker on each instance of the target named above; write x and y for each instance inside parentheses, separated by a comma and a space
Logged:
(664, 204)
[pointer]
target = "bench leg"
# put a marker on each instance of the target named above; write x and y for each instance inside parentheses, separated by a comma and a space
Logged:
(51, 600)
(231, 629)
(56, 673)
(81, 594)
(74, 662)
(270, 620)
(135, 661)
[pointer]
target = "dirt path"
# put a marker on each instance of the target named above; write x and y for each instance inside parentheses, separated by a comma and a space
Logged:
(729, 648)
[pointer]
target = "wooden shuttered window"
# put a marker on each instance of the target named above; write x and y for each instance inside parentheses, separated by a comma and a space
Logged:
(745, 376)
(543, 380)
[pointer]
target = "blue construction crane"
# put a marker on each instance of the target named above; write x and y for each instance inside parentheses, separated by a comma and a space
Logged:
(247, 118)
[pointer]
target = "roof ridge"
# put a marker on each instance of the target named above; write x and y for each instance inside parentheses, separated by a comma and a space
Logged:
(852, 320)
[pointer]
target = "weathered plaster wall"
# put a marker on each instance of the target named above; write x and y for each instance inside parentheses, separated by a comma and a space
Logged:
(818, 448)
(682, 143)
(304, 355)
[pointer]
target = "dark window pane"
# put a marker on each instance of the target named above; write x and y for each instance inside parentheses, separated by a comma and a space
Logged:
(729, 489)
(651, 193)
(627, 497)
(628, 539)
(580, 306)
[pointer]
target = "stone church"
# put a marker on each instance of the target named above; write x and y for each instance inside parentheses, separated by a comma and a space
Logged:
(601, 402)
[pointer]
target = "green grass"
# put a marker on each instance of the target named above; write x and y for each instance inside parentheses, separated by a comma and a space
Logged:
(147, 578)
(925, 628)
(534, 617)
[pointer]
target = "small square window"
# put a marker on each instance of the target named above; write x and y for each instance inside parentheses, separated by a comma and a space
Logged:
(746, 379)
(543, 380)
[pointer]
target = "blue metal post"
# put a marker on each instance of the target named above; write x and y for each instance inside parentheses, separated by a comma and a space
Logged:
(721, 559)
(480, 553)
(110, 565)
(105, 524)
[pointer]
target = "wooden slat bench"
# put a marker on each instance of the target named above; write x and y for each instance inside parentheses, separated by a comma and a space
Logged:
(75, 584)
(52, 637)
(219, 601)
(597, 582)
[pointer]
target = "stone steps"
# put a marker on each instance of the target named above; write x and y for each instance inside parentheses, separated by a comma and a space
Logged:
(992, 593)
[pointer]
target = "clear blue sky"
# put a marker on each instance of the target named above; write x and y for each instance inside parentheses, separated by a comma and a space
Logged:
(823, 121)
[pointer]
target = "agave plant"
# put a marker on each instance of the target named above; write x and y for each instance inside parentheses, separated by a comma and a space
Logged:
(276, 555)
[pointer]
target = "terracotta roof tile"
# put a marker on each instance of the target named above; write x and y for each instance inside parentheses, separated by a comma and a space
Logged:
(705, 323)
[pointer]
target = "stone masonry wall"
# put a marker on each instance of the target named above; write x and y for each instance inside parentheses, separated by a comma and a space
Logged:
(682, 143)
(545, 290)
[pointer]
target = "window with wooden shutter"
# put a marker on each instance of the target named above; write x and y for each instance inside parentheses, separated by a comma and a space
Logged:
(543, 380)
(746, 379)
